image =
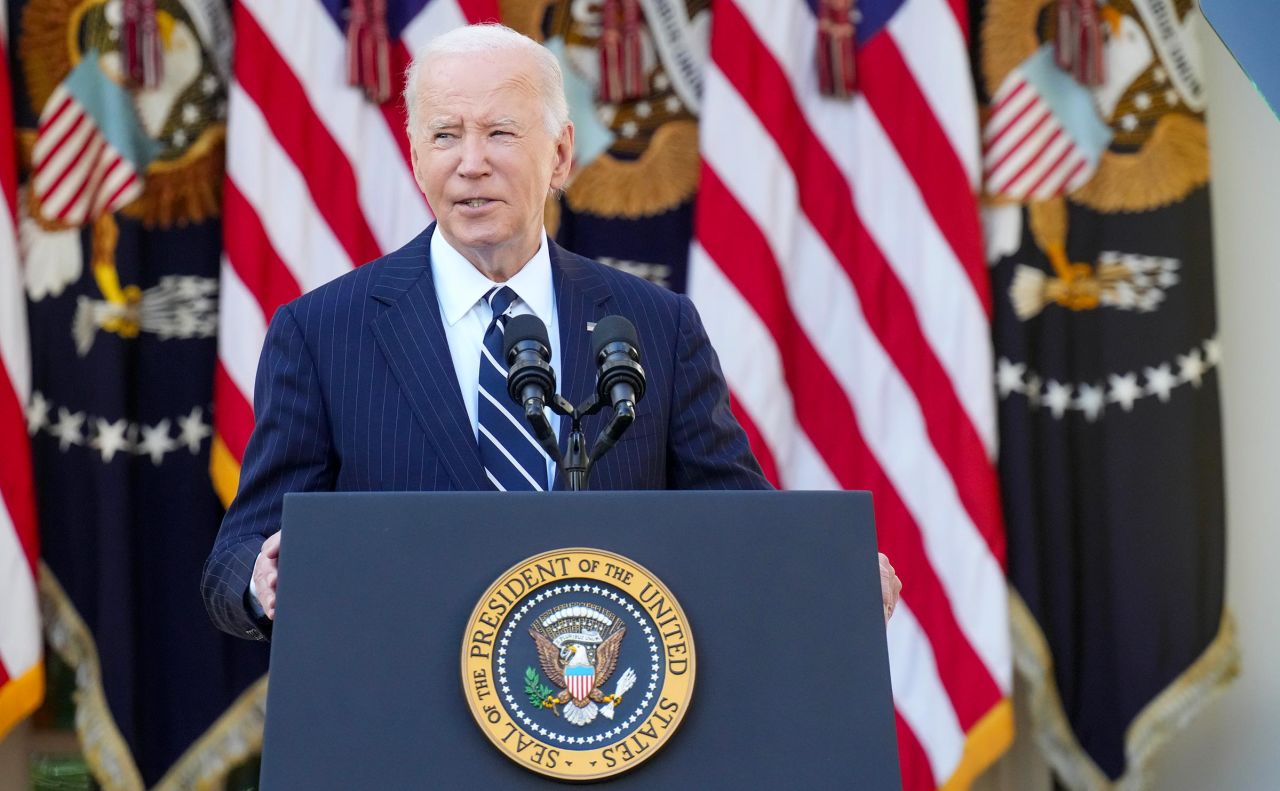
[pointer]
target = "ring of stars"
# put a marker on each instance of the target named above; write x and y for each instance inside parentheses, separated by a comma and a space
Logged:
(513, 701)
(119, 438)
(1121, 389)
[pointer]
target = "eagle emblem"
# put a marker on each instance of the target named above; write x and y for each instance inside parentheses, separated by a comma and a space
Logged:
(599, 627)
(578, 646)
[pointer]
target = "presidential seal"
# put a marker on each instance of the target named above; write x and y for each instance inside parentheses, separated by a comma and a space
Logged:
(578, 664)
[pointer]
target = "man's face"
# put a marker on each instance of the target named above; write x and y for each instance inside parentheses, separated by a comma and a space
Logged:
(483, 157)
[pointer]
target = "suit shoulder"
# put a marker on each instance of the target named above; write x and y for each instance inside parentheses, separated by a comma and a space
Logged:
(396, 270)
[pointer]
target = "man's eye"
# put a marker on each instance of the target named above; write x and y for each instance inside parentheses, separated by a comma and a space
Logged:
(444, 136)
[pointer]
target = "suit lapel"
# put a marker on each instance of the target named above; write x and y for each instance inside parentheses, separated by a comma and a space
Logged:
(581, 295)
(410, 333)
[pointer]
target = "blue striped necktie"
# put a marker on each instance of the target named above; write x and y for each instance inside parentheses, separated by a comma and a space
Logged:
(512, 458)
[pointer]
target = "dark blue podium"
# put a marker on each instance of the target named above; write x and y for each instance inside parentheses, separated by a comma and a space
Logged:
(780, 589)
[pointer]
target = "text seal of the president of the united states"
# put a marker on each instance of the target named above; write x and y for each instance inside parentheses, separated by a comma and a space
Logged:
(578, 664)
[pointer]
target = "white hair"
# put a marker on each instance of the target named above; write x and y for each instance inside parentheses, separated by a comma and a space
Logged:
(491, 37)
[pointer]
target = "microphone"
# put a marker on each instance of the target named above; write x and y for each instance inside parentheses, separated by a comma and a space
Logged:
(531, 382)
(620, 383)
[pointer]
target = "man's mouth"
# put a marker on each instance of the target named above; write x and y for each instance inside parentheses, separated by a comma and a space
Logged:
(476, 203)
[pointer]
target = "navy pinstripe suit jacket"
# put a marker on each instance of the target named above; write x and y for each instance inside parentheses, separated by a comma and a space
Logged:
(356, 391)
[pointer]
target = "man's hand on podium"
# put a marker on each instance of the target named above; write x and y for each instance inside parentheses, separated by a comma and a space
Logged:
(890, 586)
(267, 568)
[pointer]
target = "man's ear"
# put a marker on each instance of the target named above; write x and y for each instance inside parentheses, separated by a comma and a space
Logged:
(563, 157)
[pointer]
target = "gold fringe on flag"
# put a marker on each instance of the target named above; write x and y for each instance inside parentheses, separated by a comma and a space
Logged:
(988, 739)
(232, 740)
(19, 697)
(224, 470)
(105, 750)
(229, 742)
(1159, 720)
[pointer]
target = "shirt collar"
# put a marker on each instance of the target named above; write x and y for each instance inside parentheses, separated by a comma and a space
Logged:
(459, 285)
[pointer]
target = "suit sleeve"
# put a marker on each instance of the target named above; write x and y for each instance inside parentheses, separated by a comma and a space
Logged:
(706, 446)
(290, 450)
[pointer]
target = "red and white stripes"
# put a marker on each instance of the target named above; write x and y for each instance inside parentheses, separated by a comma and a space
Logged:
(839, 241)
(78, 175)
(1028, 154)
(838, 266)
(318, 181)
(21, 671)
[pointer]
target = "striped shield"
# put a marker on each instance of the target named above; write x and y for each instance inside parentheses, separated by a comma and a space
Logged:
(581, 679)
(1044, 136)
(90, 149)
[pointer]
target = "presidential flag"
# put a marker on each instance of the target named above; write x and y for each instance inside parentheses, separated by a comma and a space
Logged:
(21, 667)
(1106, 375)
(120, 240)
(837, 264)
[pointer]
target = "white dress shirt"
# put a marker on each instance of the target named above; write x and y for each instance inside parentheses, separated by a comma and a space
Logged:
(460, 288)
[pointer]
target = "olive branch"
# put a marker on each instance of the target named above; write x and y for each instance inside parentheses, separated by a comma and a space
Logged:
(533, 687)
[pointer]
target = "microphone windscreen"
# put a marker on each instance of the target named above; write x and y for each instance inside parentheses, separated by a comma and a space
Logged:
(611, 329)
(525, 327)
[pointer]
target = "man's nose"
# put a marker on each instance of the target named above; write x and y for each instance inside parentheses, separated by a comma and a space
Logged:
(475, 157)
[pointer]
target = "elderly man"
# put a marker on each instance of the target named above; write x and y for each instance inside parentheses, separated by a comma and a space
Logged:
(389, 378)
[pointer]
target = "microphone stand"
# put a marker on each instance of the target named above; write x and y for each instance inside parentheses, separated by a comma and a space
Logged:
(620, 383)
(576, 463)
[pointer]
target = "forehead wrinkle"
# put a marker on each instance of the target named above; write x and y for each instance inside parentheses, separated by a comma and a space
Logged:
(442, 122)
(519, 82)
(453, 122)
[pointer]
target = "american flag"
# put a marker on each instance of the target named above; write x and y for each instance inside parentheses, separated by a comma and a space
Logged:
(318, 177)
(21, 670)
(837, 264)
